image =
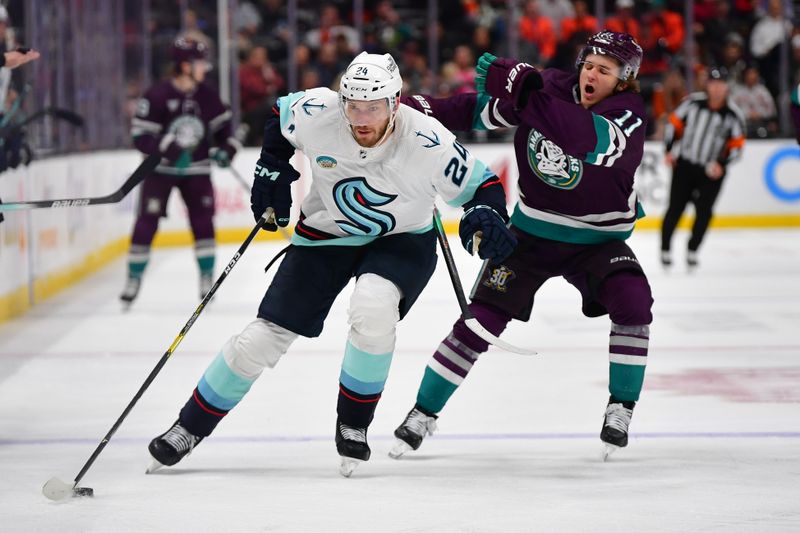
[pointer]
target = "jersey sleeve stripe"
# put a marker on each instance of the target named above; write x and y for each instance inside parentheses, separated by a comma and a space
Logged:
(480, 175)
(491, 117)
(611, 143)
(216, 123)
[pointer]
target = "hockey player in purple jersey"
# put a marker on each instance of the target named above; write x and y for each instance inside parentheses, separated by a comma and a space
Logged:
(579, 139)
(184, 120)
(795, 107)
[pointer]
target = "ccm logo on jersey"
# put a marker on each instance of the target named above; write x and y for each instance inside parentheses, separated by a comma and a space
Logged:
(512, 75)
(264, 172)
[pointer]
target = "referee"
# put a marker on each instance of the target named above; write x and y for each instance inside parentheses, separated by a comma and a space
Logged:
(703, 136)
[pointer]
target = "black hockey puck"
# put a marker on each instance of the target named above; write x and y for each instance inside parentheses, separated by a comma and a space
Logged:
(83, 491)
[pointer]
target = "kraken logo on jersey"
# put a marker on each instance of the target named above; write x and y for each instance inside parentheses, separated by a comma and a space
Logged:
(551, 164)
(357, 200)
(188, 131)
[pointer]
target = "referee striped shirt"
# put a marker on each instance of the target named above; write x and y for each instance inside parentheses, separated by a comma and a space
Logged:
(699, 135)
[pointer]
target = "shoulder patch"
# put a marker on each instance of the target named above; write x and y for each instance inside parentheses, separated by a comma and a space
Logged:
(432, 138)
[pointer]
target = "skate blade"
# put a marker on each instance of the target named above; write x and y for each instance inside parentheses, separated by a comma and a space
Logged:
(399, 449)
(348, 465)
(608, 449)
(155, 465)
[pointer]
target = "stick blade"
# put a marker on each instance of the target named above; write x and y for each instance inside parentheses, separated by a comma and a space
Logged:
(483, 333)
(57, 490)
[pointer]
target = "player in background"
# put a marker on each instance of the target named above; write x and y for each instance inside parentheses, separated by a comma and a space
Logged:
(184, 120)
(579, 139)
(795, 107)
(377, 168)
(18, 57)
(11, 60)
(704, 135)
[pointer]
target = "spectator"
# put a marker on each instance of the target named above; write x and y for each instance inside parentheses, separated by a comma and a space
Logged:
(192, 31)
(464, 75)
(246, 23)
(583, 22)
(623, 20)
(390, 30)
(331, 27)
(557, 11)
(733, 57)
(259, 85)
(537, 34)
(328, 65)
(716, 32)
(757, 105)
(662, 37)
(769, 32)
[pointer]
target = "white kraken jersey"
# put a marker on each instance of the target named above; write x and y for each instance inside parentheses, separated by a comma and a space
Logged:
(358, 194)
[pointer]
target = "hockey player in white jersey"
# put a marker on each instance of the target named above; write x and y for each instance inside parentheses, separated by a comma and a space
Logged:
(377, 168)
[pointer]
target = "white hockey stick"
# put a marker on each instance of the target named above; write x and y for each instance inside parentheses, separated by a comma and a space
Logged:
(470, 321)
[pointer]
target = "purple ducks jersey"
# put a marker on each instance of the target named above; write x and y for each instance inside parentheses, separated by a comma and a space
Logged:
(576, 166)
(795, 107)
(196, 121)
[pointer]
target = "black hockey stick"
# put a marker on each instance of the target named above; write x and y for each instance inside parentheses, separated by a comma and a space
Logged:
(57, 112)
(145, 167)
(56, 489)
(469, 320)
(73, 118)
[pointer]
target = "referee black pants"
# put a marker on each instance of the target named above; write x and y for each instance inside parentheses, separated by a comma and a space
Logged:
(690, 184)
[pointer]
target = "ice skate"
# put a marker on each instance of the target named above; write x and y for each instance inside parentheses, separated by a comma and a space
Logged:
(412, 431)
(351, 443)
(170, 447)
(615, 426)
(666, 259)
(691, 260)
(130, 292)
(206, 282)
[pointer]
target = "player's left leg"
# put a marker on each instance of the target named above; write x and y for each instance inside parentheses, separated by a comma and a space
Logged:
(153, 198)
(611, 281)
(198, 194)
(707, 192)
(627, 297)
(391, 275)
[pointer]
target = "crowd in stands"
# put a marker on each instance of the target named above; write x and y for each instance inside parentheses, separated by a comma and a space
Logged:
(744, 36)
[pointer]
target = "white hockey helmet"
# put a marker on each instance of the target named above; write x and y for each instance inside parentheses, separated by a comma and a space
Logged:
(371, 77)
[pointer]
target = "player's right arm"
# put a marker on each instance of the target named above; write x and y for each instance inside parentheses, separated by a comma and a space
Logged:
(273, 174)
(464, 112)
(147, 126)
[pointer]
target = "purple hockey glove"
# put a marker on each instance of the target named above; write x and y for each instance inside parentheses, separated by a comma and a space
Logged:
(497, 241)
(503, 77)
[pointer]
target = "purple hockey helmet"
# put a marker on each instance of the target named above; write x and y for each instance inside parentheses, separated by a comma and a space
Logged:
(620, 46)
(188, 50)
